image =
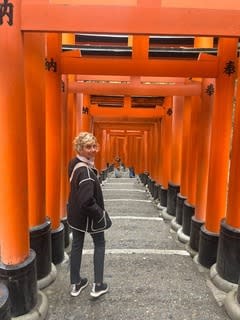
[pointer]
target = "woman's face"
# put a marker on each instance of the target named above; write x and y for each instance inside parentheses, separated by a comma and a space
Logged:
(89, 150)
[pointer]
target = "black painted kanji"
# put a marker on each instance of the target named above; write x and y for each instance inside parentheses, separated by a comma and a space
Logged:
(85, 110)
(169, 111)
(210, 89)
(6, 9)
(230, 68)
(63, 86)
(51, 65)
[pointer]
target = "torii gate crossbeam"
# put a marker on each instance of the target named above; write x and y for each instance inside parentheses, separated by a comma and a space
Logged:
(165, 17)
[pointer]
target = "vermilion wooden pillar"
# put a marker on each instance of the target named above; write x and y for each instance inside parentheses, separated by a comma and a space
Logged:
(205, 118)
(139, 167)
(228, 263)
(145, 149)
(155, 150)
(219, 152)
(174, 179)
(152, 160)
(182, 195)
(103, 149)
(158, 160)
(18, 262)
(189, 203)
(53, 144)
(188, 208)
(86, 117)
(68, 131)
(166, 138)
(71, 119)
(79, 106)
(40, 233)
(158, 165)
(64, 188)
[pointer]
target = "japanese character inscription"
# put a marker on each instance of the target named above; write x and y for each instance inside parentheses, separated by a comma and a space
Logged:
(6, 10)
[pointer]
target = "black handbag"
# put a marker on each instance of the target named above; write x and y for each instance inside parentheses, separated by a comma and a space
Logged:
(108, 220)
(100, 225)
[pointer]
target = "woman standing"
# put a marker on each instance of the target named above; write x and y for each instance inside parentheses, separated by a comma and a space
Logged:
(86, 213)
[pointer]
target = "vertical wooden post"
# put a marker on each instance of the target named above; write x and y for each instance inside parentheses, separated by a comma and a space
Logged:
(177, 127)
(189, 203)
(64, 188)
(166, 138)
(174, 179)
(182, 195)
(204, 122)
(86, 117)
(228, 265)
(68, 131)
(18, 262)
(145, 149)
(53, 144)
(79, 106)
(205, 118)
(40, 234)
(219, 151)
(103, 149)
(140, 46)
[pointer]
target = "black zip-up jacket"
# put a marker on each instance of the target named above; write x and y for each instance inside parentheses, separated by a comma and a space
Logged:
(85, 208)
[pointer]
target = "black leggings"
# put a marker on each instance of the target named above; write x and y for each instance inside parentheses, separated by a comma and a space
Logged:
(76, 256)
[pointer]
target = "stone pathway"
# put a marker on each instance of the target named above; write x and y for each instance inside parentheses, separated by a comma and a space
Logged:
(150, 273)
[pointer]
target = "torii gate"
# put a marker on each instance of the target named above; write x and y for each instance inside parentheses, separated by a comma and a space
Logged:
(26, 18)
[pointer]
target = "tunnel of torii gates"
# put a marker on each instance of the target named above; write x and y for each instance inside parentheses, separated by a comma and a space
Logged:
(186, 148)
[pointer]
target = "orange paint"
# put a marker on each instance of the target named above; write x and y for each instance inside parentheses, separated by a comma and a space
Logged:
(205, 118)
(86, 114)
(220, 139)
(131, 88)
(71, 119)
(159, 19)
(140, 46)
(126, 113)
(139, 67)
(64, 188)
(193, 150)
(185, 146)
(177, 123)
(166, 138)
(14, 227)
(53, 132)
(233, 210)
(34, 54)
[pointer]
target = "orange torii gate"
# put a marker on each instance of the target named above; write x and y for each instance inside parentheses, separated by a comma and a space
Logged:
(161, 17)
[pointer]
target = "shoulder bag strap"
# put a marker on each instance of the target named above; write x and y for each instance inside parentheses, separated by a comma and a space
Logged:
(78, 165)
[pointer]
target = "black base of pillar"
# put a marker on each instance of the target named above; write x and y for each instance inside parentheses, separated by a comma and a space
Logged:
(228, 261)
(21, 281)
(155, 191)
(58, 244)
(5, 313)
(238, 291)
(173, 190)
(208, 244)
(179, 208)
(188, 213)
(66, 232)
(40, 242)
(151, 186)
(159, 193)
(195, 233)
(163, 196)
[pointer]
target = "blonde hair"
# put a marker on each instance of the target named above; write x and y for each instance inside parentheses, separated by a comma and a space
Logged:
(82, 139)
